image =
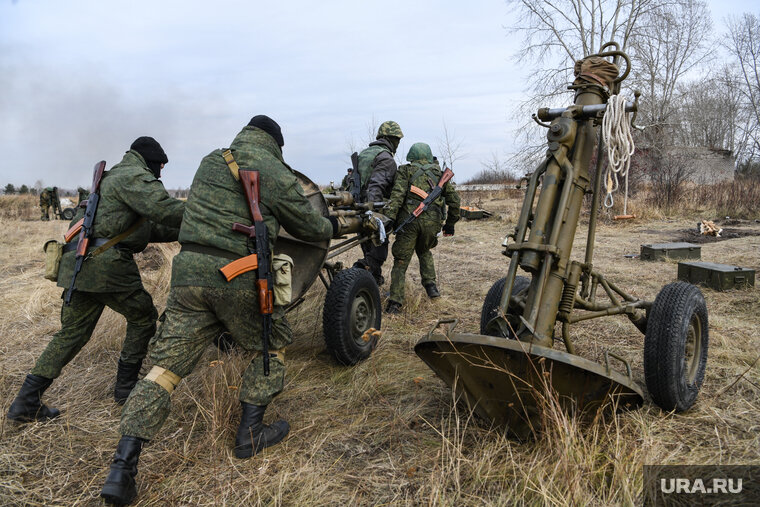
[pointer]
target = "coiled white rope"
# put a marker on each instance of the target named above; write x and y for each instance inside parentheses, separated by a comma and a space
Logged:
(616, 132)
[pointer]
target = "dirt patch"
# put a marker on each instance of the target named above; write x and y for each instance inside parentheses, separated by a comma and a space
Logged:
(693, 235)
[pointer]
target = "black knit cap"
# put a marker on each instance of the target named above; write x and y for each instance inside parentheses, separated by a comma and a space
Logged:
(269, 126)
(150, 150)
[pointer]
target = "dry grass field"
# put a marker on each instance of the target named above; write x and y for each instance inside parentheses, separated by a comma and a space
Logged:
(386, 431)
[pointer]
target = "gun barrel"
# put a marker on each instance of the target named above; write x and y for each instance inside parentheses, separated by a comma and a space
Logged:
(582, 111)
(340, 198)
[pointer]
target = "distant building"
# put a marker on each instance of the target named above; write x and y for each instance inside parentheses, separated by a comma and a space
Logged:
(709, 165)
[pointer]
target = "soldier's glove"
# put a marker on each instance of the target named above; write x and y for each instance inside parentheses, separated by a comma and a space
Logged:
(448, 230)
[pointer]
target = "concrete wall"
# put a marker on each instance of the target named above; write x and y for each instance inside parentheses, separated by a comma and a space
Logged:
(709, 166)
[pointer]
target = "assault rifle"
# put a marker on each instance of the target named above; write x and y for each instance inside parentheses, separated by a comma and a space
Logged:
(260, 258)
(427, 199)
(87, 222)
(356, 188)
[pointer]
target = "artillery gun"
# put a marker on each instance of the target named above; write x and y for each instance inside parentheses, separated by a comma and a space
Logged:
(504, 372)
(351, 317)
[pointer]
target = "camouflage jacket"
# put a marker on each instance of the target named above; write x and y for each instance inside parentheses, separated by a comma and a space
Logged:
(217, 201)
(128, 191)
(421, 174)
(378, 171)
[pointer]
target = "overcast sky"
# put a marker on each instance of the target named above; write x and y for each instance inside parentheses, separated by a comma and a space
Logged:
(81, 79)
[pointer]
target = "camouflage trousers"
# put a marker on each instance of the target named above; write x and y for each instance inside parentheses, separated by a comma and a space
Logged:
(420, 237)
(44, 209)
(78, 321)
(374, 257)
(194, 317)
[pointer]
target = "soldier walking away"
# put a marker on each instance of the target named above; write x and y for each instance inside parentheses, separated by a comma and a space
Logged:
(413, 182)
(129, 193)
(46, 201)
(377, 170)
(202, 302)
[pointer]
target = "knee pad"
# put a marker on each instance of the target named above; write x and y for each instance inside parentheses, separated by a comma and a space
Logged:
(164, 378)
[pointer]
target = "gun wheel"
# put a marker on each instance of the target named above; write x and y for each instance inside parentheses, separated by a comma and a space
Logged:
(491, 305)
(675, 346)
(351, 311)
(68, 213)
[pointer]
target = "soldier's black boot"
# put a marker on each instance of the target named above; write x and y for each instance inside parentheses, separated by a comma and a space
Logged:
(392, 307)
(253, 435)
(120, 488)
(432, 291)
(126, 378)
(27, 406)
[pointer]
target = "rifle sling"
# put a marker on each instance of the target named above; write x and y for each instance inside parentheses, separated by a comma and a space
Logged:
(118, 238)
(103, 244)
(94, 243)
(234, 167)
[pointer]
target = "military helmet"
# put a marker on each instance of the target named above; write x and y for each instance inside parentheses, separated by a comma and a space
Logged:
(389, 129)
(420, 152)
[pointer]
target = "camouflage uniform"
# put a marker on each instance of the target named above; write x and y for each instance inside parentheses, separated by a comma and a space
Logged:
(46, 201)
(377, 169)
(83, 194)
(420, 235)
(128, 191)
(202, 304)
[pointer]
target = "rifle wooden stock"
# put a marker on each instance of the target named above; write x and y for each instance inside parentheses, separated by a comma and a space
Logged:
(239, 266)
(86, 229)
(258, 232)
(73, 231)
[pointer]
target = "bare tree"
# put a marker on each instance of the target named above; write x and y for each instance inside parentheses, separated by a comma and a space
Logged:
(671, 41)
(556, 33)
(743, 42)
(450, 148)
(708, 110)
(494, 170)
(667, 171)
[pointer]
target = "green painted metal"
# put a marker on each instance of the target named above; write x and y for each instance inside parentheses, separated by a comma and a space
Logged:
(499, 377)
(517, 384)
(665, 251)
(716, 276)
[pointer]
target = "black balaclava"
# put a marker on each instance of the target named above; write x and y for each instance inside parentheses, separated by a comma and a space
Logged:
(269, 126)
(152, 152)
(394, 142)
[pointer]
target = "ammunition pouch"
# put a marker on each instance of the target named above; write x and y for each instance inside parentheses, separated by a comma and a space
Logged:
(282, 272)
(164, 378)
(53, 253)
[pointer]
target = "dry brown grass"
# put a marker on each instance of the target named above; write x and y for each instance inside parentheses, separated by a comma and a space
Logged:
(386, 431)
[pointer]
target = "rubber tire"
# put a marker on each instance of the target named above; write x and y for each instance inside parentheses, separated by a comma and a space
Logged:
(665, 343)
(68, 213)
(342, 336)
(493, 299)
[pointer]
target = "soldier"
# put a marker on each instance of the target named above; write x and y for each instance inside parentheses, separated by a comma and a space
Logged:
(129, 191)
(377, 168)
(345, 183)
(46, 201)
(420, 235)
(202, 303)
(83, 194)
